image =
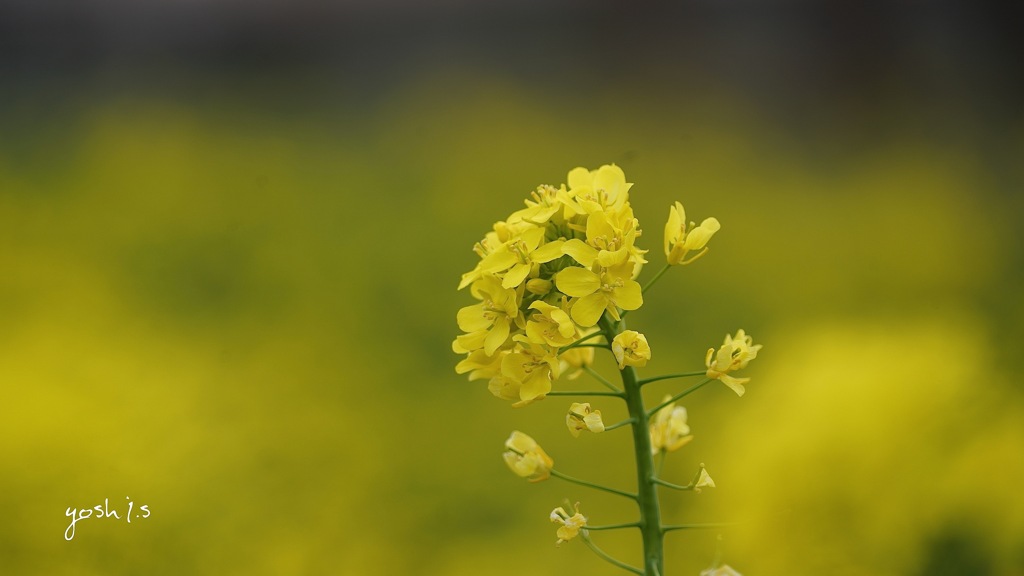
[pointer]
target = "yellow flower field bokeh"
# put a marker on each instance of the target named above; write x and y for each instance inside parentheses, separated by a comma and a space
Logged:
(242, 318)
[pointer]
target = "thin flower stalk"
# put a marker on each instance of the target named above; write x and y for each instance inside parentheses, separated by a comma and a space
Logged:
(554, 282)
(610, 490)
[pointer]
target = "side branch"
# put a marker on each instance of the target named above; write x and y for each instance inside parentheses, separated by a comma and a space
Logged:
(697, 526)
(693, 388)
(604, 555)
(673, 486)
(671, 376)
(581, 341)
(655, 279)
(625, 422)
(613, 526)
(597, 376)
(558, 474)
(585, 393)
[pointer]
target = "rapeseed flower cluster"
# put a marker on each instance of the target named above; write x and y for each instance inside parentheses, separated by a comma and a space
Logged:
(551, 279)
(546, 275)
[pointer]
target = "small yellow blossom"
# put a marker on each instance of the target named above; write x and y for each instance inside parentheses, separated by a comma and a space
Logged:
(488, 323)
(531, 367)
(526, 458)
(601, 190)
(517, 257)
(546, 202)
(570, 525)
(703, 479)
(610, 289)
(506, 389)
(669, 431)
(489, 244)
(606, 244)
(494, 241)
(582, 417)
(733, 355)
(631, 349)
(480, 365)
(679, 241)
(723, 570)
(550, 325)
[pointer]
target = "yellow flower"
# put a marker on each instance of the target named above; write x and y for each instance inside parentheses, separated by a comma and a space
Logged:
(480, 365)
(610, 289)
(703, 479)
(733, 355)
(581, 417)
(517, 257)
(669, 431)
(604, 189)
(550, 325)
(488, 323)
(490, 243)
(526, 458)
(606, 244)
(545, 204)
(723, 570)
(531, 368)
(570, 525)
(631, 349)
(679, 242)
(505, 388)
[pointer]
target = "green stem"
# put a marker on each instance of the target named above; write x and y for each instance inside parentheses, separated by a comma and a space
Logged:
(673, 486)
(655, 279)
(697, 526)
(558, 474)
(619, 424)
(647, 381)
(613, 526)
(647, 493)
(601, 379)
(584, 393)
(693, 388)
(581, 341)
(604, 555)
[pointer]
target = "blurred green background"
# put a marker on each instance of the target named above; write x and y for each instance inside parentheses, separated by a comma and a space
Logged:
(230, 240)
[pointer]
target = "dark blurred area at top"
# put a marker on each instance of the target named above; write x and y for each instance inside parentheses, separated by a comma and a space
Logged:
(799, 62)
(835, 45)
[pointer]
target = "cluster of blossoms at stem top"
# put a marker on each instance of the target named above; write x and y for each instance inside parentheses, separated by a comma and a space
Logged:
(546, 275)
(553, 282)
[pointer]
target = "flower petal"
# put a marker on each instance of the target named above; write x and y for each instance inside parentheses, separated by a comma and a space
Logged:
(469, 342)
(515, 276)
(497, 336)
(537, 386)
(577, 282)
(736, 384)
(579, 178)
(498, 261)
(629, 296)
(547, 252)
(472, 318)
(580, 251)
(587, 310)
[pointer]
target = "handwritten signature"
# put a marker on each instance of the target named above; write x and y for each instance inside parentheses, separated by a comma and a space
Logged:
(102, 511)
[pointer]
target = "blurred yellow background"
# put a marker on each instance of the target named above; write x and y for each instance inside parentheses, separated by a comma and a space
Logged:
(231, 298)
